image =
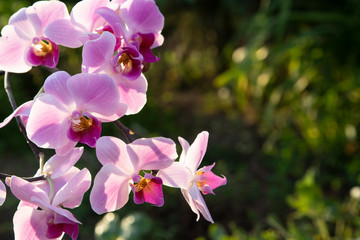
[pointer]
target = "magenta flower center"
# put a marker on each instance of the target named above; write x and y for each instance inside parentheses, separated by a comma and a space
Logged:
(42, 47)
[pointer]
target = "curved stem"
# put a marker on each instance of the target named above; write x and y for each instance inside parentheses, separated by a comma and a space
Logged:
(126, 131)
(3, 176)
(10, 95)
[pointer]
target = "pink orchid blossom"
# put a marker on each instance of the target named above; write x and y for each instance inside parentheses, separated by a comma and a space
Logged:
(144, 22)
(184, 175)
(71, 110)
(24, 44)
(139, 24)
(2, 193)
(98, 57)
(121, 172)
(41, 216)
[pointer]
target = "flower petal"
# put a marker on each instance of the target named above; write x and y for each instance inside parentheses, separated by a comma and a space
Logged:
(63, 224)
(28, 192)
(113, 150)
(23, 110)
(71, 194)
(64, 33)
(64, 213)
(153, 193)
(142, 16)
(58, 11)
(29, 223)
(55, 85)
(132, 93)
(177, 175)
(212, 180)
(110, 191)
(13, 51)
(152, 153)
(185, 147)
(95, 93)
(57, 165)
(113, 19)
(48, 123)
(2, 193)
(87, 20)
(97, 53)
(197, 151)
(196, 198)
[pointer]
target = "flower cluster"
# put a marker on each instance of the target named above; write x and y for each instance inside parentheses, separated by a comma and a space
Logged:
(117, 38)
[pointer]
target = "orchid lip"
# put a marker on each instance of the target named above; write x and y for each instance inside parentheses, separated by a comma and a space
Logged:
(84, 128)
(43, 51)
(42, 47)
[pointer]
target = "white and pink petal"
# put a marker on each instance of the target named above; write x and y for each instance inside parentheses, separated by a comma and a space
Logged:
(48, 123)
(2, 193)
(29, 223)
(132, 93)
(28, 192)
(95, 93)
(58, 165)
(152, 153)
(71, 194)
(114, 150)
(176, 175)
(13, 51)
(110, 191)
(196, 151)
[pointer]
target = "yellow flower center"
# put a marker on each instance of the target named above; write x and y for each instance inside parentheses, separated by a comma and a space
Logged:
(125, 62)
(80, 124)
(42, 48)
(200, 183)
(141, 184)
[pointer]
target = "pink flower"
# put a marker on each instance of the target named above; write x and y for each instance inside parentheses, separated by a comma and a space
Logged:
(184, 175)
(24, 44)
(71, 110)
(144, 22)
(40, 214)
(99, 57)
(2, 193)
(122, 169)
(60, 168)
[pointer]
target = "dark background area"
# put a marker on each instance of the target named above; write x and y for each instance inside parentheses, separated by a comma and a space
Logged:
(276, 83)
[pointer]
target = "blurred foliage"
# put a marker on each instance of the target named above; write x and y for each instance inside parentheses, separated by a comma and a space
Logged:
(276, 83)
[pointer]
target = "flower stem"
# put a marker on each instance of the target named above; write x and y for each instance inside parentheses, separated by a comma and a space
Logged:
(3, 176)
(10, 95)
(126, 131)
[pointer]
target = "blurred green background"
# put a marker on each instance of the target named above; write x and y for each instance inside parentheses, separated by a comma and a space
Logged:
(277, 85)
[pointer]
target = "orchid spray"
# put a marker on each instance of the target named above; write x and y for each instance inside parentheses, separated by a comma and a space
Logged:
(117, 37)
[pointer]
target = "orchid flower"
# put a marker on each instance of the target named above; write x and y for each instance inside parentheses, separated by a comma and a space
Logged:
(24, 44)
(2, 193)
(123, 165)
(71, 110)
(184, 175)
(43, 216)
(144, 22)
(98, 57)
